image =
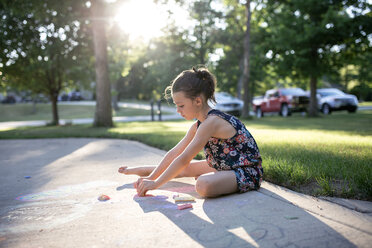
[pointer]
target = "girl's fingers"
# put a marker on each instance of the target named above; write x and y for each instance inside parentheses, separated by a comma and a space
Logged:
(139, 186)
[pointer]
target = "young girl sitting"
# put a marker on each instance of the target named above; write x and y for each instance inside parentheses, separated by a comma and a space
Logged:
(233, 161)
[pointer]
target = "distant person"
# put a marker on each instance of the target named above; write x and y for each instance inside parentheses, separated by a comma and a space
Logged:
(233, 161)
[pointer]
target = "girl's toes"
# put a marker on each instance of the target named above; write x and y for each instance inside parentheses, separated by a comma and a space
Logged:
(122, 169)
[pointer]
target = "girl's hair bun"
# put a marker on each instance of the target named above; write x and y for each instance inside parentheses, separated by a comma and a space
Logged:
(194, 82)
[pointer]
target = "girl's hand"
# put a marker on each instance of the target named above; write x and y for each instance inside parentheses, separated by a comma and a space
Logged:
(138, 180)
(144, 185)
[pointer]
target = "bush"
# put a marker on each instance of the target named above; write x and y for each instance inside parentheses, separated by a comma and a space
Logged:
(363, 92)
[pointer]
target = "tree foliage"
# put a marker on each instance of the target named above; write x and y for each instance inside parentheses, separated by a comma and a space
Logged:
(307, 38)
(47, 46)
(43, 47)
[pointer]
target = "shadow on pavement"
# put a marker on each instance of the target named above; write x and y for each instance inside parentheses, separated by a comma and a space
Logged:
(246, 220)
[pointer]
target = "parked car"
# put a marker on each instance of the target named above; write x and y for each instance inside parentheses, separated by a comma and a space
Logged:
(72, 96)
(75, 96)
(9, 100)
(63, 97)
(332, 99)
(284, 101)
(227, 103)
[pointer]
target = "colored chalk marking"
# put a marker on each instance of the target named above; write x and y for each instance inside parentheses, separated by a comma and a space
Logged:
(291, 217)
(27, 177)
(64, 191)
(185, 189)
(103, 198)
(184, 198)
(184, 206)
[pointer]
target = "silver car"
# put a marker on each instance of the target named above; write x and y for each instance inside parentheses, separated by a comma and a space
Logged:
(227, 103)
(332, 99)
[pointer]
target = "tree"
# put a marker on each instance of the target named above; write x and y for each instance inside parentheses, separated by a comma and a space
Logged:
(41, 46)
(103, 114)
(246, 64)
(202, 36)
(307, 36)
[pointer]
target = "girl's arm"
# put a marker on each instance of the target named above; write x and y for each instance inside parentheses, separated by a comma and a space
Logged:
(201, 137)
(173, 153)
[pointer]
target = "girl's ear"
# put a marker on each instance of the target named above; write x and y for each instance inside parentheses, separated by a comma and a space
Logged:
(199, 100)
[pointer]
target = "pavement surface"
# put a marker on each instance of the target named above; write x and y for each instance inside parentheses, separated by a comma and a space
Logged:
(49, 191)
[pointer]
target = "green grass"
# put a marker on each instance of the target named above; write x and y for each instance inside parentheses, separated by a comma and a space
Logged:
(369, 104)
(329, 155)
(43, 111)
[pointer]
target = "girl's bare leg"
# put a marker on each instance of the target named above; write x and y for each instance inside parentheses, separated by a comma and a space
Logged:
(217, 183)
(194, 169)
(142, 171)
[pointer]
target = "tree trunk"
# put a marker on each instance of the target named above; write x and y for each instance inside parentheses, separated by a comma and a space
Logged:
(240, 82)
(313, 106)
(115, 94)
(246, 84)
(53, 99)
(103, 114)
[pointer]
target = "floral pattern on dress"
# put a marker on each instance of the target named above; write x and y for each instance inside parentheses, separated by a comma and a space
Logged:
(239, 153)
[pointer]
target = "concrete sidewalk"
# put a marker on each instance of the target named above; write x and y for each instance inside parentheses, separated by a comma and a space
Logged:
(49, 190)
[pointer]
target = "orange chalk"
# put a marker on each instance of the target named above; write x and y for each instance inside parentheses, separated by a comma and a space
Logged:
(103, 198)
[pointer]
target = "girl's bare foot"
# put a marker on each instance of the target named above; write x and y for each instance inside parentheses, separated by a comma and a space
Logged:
(123, 169)
(139, 171)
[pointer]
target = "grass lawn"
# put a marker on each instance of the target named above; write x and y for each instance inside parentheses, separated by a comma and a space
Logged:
(43, 111)
(330, 155)
(365, 104)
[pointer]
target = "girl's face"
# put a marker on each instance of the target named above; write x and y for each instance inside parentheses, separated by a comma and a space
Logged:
(186, 107)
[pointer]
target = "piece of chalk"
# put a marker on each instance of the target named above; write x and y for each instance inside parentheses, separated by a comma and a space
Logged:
(103, 198)
(27, 177)
(291, 217)
(184, 206)
(184, 198)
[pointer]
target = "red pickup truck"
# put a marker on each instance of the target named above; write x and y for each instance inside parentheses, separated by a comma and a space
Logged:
(282, 101)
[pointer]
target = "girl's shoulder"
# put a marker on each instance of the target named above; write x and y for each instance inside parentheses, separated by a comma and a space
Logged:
(212, 122)
(219, 127)
(232, 120)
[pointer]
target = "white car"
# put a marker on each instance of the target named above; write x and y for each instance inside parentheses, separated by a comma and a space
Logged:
(227, 103)
(332, 99)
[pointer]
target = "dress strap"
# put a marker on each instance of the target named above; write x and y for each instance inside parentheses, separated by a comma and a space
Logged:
(229, 118)
(199, 122)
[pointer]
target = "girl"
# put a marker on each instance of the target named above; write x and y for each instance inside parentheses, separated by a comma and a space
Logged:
(233, 161)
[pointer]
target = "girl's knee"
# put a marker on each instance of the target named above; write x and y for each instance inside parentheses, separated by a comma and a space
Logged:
(204, 186)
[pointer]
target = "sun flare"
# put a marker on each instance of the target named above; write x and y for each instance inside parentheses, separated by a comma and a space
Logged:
(143, 18)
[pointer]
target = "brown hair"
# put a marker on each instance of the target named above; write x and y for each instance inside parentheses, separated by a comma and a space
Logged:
(193, 83)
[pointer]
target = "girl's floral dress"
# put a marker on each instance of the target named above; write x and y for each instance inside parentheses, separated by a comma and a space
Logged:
(238, 153)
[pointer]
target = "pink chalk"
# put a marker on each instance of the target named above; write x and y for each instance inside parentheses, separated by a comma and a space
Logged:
(184, 206)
